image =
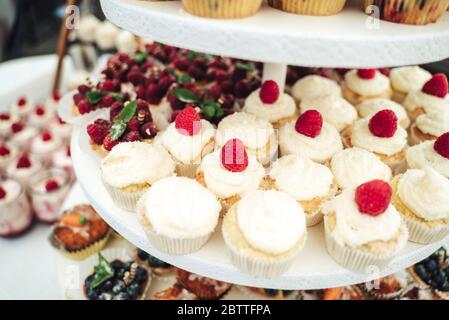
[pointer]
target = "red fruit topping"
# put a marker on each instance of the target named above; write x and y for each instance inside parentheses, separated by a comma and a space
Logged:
(373, 197)
(132, 136)
(97, 132)
(46, 136)
(2, 193)
(84, 107)
(4, 116)
(385, 71)
(40, 110)
(16, 127)
(154, 93)
(24, 162)
(309, 123)
(269, 92)
(60, 121)
(51, 185)
(366, 74)
(234, 156)
(83, 89)
(22, 101)
(108, 143)
(107, 101)
(188, 121)
(56, 96)
(437, 86)
(68, 152)
(148, 130)
(383, 124)
(134, 124)
(441, 145)
(4, 151)
(109, 85)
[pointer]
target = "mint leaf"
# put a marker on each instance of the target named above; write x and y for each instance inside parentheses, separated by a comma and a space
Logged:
(117, 96)
(103, 272)
(117, 129)
(192, 55)
(95, 97)
(128, 112)
(141, 57)
(185, 95)
(211, 109)
(249, 66)
(184, 78)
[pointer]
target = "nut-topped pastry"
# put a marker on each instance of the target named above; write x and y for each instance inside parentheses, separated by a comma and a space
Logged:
(372, 106)
(363, 84)
(406, 79)
(314, 85)
(429, 126)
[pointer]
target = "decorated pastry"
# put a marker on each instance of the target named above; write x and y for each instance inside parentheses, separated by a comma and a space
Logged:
(370, 107)
(6, 120)
(222, 9)
(62, 159)
(40, 117)
(23, 107)
(309, 7)
(176, 292)
(157, 266)
(61, 129)
(429, 126)
(364, 84)
(315, 85)
(387, 288)
(406, 79)
(44, 145)
(23, 168)
(202, 287)
(269, 294)
(21, 135)
(8, 153)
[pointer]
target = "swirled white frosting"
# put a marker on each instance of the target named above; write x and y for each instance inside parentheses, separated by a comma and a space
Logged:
(105, 35)
(314, 85)
(425, 192)
(301, 178)
(283, 108)
(370, 107)
(405, 79)
(434, 123)
(334, 109)
(354, 166)
(184, 148)
(179, 207)
(39, 146)
(423, 154)
(363, 138)
(354, 228)
(367, 87)
(418, 99)
(271, 221)
(224, 183)
(126, 42)
(320, 148)
(131, 163)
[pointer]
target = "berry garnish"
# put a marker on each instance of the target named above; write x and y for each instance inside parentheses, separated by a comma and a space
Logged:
(46, 136)
(437, 86)
(2, 193)
(84, 107)
(441, 145)
(40, 111)
(148, 130)
(4, 151)
(366, 74)
(4, 116)
(97, 132)
(16, 127)
(56, 96)
(373, 197)
(309, 123)
(51, 185)
(22, 101)
(108, 143)
(132, 136)
(134, 124)
(385, 71)
(269, 92)
(384, 124)
(234, 156)
(24, 162)
(188, 121)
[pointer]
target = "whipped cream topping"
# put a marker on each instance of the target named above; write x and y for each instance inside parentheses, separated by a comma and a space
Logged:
(367, 87)
(40, 120)
(363, 138)
(423, 154)
(334, 109)
(320, 148)
(370, 107)
(13, 152)
(283, 108)
(314, 85)
(12, 189)
(224, 183)
(22, 111)
(425, 192)
(184, 148)
(63, 130)
(179, 207)
(39, 146)
(301, 178)
(134, 163)
(354, 166)
(417, 99)
(105, 35)
(354, 228)
(271, 221)
(434, 123)
(24, 135)
(405, 79)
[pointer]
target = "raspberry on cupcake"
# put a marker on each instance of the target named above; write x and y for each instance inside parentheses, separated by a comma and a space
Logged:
(40, 117)
(8, 153)
(44, 145)
(406, 79)
(364, 84)
(429, 126)
(6, 120)
(22, 135)
(370, 107)
(23, 107)
(314, 85)
(23, 168)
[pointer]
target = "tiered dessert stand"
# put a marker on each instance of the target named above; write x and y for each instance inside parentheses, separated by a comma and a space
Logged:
(350, 39)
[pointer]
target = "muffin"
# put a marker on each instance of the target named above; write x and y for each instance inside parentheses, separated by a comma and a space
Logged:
(43, 146)
(364, 84)
(202, 287)
(429, 126)
(406, 79)
(371, 107)
(309, 7)
(222, 9)
(264, 232)
(314, 85)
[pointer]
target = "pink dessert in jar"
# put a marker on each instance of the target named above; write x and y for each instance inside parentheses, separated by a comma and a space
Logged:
(15, 212)
(61, 129)
(40, 117)
(62, 159)
(8, 153)
(43, 146)
(22, 135)
(6, 120)
(23, 168)
(23, 107)
(48, 190)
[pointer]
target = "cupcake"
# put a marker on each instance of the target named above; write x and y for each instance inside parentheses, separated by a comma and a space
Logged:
(406, 79)
(43, 146)
(157, 266)
(131, 168)
(21, 135)
(257, 135)
(362, 228)
(314, 85)
(421, 197)
(271, 104)
(202, 287)
(387, 288)
(222, 9)
(309, 136)
(264, 232)
(40, 117)
(8, 153)
(230, 173)
(364, 84)
(22, 108)
(188, 140)
(309, 7)
(23, 168)
(309, 183)
(370, 107)
(429, 126)
(182, 223)
(6, 120)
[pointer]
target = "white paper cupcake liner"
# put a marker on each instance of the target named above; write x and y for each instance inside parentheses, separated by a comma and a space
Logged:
(186, 170)
(123, 199)
(421, 233)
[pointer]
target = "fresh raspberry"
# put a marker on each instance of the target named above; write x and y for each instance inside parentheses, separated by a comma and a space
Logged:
(60, 121)
(4, 151)
(51, 185)
(23, 162)
(2, 193)
(134, 124)
(366, 74)
(84, 106)
(77, 98)
(373, 197)
(108, 143)
(437, 86)
(40, 111)
(269, 92)
(132, 136)
(148, 130)
(140, 92)
(68, 152)
(16, 127)
(97, 132)
(4, 116)
(166, 82)
(154, 93)
(46, 136)
(115, 110)
(135, 77)
(309, 123)
(441, 145)
(84, 89)
(385, 71)
(182, 63)
(22, 101)
(234, 156)
(109, 85)
(102, 122)
(107, 101)
(215, 91)
(384, 124)
(196, 73)
(188, 121)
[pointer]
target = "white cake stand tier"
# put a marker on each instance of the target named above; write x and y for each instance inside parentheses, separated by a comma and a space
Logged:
(313, 268)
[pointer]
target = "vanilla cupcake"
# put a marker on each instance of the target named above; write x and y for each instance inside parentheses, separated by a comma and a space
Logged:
(361, 232)
(421, 196)
(406, 79)
(335, 110)
(257, 135)
(365, 84)
(230, 172)
(309, 183)
(370, 107)
(354, 166)
(314, 85)
(131, 168)
(309, 7)
(43, 146)
(182, 222)
(40, 117)
(271, 104)
(429, 126)
(22, 108)
(310, 137)
(222, 9)
(264, 232)
(23, 168)
(188, 140)
(22, 135)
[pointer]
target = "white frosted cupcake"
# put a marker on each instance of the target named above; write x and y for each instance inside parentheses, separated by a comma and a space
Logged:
(363, 229)
(429, 126)
(230, 172)
(43, 146)
(22, 108)
(188, 140)
(257, 134)
(22, 135)
(371, 107)
(421, 196)
(182, 222)
(271, 104)
(314, 85)
(354, 166)
(365, 84)
(131, 168)
(23, 168)
(264, 232)
(406, 79)
(40, 117)
(309, 136)
(309, 183)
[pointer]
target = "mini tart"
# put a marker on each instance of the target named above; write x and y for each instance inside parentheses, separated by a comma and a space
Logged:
(202, 287)
(356, 90)
(406, 79)
(79, 233)
(222, 9)
(387, 288)
(309, 7)
(158, 267)
(176, 292)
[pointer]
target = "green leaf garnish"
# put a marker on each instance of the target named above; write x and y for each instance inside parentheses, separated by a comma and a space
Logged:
(117, 129)
(128, 112)
(184, 78)
(83, 220)
(249, 66)
(192, 55)
(95, 97)
(117, 96)
(141, 57)
(185, 95)
(103, 272)
(211, 109)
